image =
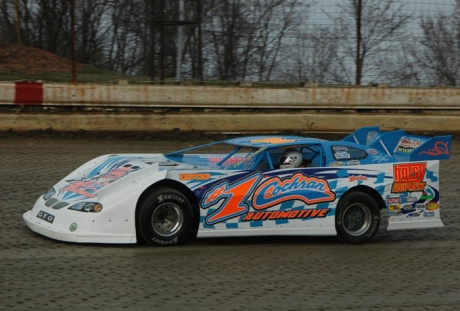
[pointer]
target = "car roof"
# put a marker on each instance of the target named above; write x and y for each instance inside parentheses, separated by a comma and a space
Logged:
(271, 141)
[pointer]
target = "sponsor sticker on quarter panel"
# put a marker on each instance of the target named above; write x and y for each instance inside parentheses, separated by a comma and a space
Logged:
(409, 177)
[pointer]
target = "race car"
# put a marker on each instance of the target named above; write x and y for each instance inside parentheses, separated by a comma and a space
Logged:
(250, 186)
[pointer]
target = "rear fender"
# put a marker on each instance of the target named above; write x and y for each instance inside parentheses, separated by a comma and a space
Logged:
(416, 209)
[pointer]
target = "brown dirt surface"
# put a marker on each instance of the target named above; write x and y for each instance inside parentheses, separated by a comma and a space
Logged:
(21, 59)
(412, 270)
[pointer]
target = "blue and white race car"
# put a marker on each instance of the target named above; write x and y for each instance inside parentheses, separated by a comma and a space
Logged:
(250, 186)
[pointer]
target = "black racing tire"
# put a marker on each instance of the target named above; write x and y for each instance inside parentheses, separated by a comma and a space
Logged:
(357, 218)
(164, 218)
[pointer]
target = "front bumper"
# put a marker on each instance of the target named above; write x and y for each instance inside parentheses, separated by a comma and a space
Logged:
(74, 226)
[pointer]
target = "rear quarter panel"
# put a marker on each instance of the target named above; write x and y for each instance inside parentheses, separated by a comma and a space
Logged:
(304, 201)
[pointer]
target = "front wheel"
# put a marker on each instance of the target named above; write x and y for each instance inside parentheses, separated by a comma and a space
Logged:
(357, 218)
(164, 217)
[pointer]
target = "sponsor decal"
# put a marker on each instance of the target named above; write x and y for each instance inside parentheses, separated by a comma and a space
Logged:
(394, 208)
(45, 216)
(204, 176)
(89, 187)
(310, 190)
(414, 214)
(404, 150)
(337, 163)
(287, 214)
(372, 151)
(85, 188)
(236, 159)
(440, 147)
(341, 155)
(339, 148)
(407, 145)
(420, 206)
(408, 207)
(410, 199)
(431, 206)
(357, 178)
(428, 214)
(393, 200)
(408, 177)
(353, 162)
(234, 199)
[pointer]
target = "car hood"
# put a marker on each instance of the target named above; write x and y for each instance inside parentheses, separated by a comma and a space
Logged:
(92, 179)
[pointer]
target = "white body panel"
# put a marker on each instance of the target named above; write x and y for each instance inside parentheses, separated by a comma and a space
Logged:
(114, 224)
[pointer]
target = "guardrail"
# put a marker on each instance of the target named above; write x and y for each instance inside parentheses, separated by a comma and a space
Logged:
(227, 109)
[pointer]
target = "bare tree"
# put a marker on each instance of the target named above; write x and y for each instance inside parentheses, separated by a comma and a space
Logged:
(439, 52)
(227, 31)
(92, 30)
(134, 47)
(313, 57)
(44, 23)
(401, 68)
(197, 12)
(121, 41)
(8, 31)
(52, 20)
(244, 39)
(276, 20)
(377, 27)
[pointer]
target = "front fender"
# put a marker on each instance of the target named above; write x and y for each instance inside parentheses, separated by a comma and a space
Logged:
(119, 201)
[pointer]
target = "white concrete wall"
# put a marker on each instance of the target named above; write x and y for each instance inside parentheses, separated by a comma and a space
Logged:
(245, 97)
(268, 110)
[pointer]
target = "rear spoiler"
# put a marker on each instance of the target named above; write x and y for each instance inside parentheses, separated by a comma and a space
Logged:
(403, 146)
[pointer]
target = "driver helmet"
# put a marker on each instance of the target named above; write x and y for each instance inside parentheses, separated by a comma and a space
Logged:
(290, 158)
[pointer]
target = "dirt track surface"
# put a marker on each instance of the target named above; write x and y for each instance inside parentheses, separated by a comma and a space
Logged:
(406, 270)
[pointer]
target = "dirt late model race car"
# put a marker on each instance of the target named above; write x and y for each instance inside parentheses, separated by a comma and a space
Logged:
(250, 186)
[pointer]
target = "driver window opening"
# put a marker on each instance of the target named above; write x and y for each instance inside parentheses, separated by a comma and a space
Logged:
(298, 157)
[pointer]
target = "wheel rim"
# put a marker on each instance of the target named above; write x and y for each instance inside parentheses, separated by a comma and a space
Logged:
(356, 219)
(167, 219)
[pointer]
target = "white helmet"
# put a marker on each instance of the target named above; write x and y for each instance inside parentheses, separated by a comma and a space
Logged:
(290, 158)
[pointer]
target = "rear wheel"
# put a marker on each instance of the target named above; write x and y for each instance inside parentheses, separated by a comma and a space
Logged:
(357, 218)
(164, 217)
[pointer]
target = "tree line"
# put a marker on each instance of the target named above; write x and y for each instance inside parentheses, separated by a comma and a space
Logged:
(361, 42)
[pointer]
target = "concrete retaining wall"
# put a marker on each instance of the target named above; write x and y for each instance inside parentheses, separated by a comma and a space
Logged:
(227, 109)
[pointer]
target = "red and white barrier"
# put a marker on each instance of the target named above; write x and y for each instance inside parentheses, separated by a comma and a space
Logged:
(104, 95)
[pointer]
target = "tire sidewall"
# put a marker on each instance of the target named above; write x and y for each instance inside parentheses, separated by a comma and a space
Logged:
(373, 208)
(148, 207)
